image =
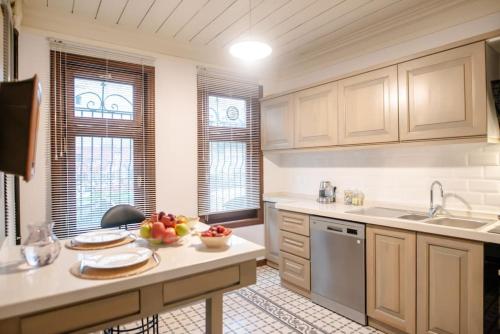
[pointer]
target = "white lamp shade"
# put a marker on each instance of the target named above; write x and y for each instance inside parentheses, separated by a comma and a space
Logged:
(250, 50)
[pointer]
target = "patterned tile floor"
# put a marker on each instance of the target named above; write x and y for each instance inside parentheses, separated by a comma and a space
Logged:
(265, 307)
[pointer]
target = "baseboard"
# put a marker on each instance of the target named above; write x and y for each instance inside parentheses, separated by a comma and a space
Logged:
(383, 327)
(273, 264)
(261, 262)
(296, 289)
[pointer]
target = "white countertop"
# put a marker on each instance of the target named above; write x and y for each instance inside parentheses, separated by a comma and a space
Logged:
(24, 289)
(340, 211)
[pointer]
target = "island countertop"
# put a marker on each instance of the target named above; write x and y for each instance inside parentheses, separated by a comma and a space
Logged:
(24, 289)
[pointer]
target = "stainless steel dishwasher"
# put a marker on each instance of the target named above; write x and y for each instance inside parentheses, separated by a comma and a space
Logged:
(338, 267)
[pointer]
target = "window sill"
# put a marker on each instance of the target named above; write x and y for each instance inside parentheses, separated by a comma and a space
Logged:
(242, 223)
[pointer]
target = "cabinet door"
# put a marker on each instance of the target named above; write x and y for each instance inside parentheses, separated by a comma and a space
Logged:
(368, 107)
(295, 244)
(277, 123)
(272, 233)
(294, 222)
(316, 116)
(295, 270)
(443, 95)
(391, 277)
(449, 285)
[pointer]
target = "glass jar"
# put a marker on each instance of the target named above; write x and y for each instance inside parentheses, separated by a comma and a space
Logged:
(42, 246)
(347, 197)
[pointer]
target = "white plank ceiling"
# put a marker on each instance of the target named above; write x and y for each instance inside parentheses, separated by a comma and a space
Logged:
(292, 27)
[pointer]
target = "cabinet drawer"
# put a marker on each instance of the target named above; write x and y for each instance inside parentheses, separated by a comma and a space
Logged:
(195, 285)
(294, 222)
(295, 270)
(83, 315)
(295, 244)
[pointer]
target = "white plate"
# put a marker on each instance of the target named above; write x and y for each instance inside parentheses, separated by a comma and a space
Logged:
(117, 258)
(99, 237)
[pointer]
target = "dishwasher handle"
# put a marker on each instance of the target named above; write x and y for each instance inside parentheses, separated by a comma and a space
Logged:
(347, 228)
(334, 228)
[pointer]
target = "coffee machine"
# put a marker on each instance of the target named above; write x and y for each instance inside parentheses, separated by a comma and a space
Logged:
(326, 192)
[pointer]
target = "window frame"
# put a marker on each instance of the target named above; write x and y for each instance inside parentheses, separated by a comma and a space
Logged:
(140, 129)
(237, 218)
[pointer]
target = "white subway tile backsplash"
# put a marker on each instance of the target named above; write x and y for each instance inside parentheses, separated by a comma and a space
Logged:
(484, 186)
(492, 172)
(483, 159)
(470, 174)
(492, 200)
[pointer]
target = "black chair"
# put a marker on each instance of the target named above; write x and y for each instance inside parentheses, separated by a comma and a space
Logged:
(121, 216)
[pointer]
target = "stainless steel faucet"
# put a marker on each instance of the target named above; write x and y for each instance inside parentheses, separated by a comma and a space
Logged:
(433, 209)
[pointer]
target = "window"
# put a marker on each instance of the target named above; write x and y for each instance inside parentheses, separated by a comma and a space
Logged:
(102, 139)
(229, 155)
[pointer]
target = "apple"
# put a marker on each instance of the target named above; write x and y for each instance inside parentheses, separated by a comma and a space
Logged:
(158, 230)
(169, 235)
(167, 221)
(181, 219)
(182, 229)
(145, 231)
(160, 215)
(154, 217)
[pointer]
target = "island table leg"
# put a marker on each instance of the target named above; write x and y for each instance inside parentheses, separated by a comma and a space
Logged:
(214, 314)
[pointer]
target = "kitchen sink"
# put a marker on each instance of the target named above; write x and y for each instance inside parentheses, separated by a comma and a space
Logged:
(457, 222)
(414, 217)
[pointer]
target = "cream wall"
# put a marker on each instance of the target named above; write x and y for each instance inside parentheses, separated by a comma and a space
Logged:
(470, 172)
(176, 134)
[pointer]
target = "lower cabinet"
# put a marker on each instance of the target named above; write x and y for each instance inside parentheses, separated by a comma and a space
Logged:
(422, 283)
(449, 285)
(295, 270)
(391, 277)
(294, 244)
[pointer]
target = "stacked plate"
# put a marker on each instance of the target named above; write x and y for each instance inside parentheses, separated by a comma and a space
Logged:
(101, 237)
(119, 258)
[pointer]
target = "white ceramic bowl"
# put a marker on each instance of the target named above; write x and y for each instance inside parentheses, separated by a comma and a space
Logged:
(215, 242)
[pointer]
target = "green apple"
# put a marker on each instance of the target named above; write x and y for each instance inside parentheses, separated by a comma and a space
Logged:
(181, 229)
(145, 231)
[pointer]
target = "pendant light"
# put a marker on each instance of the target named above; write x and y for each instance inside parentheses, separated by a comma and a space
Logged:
(250, 49)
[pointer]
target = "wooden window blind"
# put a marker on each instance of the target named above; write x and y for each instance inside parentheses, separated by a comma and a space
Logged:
(229, 154)
(102, 139)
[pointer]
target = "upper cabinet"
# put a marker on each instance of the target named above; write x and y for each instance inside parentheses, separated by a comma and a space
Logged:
(368, 107)
(443, 95)
(316, 116)
(277, 123)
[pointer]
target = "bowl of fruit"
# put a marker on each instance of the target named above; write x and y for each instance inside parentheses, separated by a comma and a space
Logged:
(216, 236)
(164, 228)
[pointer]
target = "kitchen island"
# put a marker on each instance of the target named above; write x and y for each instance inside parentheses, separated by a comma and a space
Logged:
(50, 299)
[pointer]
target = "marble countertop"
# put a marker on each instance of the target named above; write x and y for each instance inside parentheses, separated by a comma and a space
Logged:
(24, 289)
(309, 206)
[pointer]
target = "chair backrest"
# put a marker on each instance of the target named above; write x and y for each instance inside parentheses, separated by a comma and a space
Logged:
(122, 215)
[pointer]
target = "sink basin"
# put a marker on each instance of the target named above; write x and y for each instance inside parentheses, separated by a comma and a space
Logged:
(456, 222)
(414, 217)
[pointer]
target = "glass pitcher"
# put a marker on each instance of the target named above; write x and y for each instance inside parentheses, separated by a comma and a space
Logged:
(42, 246)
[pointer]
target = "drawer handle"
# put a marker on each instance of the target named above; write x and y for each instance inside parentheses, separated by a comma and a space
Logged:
(293, 221)
(294, 242)
(294, 267)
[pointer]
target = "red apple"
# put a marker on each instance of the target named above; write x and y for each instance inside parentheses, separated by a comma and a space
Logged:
(158, 230)
(167, 222)
(169, 236)
(154, 217)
